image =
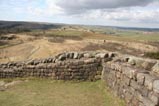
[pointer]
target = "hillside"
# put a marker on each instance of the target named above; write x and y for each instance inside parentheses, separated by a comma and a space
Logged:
(16, 27)
(21, 41)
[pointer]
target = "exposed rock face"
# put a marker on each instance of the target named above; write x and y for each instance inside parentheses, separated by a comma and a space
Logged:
(134, 79)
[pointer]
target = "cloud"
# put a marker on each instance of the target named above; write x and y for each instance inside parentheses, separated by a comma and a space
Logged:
(80, 6)
(120, 14)
(105, 12)
(49, 8)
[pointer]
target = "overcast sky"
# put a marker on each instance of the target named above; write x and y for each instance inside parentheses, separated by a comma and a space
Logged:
(131, 13)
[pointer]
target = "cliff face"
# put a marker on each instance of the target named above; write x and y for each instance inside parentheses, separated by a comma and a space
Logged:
(134, 79)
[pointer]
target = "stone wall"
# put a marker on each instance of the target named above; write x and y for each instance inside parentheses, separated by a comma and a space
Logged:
(136, 80)
(136, 85)
(65, 66)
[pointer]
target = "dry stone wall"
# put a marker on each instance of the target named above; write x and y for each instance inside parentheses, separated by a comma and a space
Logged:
(64, 66)
(136, 80)
(134, 83)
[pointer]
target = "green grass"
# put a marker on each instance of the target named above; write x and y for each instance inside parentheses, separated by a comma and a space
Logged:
(153, 55)
(66, 33)
(56, 33)
(101, 33)
(127, 35)
(46, 92)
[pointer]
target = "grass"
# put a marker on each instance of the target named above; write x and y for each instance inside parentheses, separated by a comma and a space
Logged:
(121, 35)
(153, 55)
(124, 35)
(46, 92)
(56, 33)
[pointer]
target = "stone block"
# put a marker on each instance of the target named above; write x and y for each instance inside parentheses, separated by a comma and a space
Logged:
(154, 97)
(88, 55)
(135, 85)
(148, 65)
(143, 91)
(129, 72)
(75, 55)
(126, 80)
(102, 55)
(149, 79)
(97, 77)
(141, 78)
(132, 61)
(155, 68)
(156, 86)
(89, 61)
(147, 102)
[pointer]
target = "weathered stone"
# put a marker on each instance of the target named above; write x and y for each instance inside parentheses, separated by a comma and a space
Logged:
(132, 61)
(80, 55)
(62, 57)
(141, 104)
(155, 68)
(147, 102)
(118, 74)
(148, 65)
(101, 55)
(156, 86)
(135, 85)
(141, 78)
(129, 72)
(154, 97)
(88, 55)
(149, 81)
(75, 56)
(89, 61)
(98, 77)
(143, 91)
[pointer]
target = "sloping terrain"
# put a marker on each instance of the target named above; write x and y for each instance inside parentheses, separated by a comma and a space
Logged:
(43, 48)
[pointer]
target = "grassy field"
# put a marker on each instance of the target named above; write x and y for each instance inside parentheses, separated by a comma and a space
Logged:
(126, 35)
(45, 92)
(106, 33)
(62, 33)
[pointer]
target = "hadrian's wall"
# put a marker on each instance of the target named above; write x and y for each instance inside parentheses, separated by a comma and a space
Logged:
(136, 80)
(65, 66)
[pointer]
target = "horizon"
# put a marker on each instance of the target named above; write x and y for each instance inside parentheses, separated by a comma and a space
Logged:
(125, 13)
(82, 24)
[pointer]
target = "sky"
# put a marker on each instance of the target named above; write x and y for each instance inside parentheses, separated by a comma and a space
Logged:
(127, 13)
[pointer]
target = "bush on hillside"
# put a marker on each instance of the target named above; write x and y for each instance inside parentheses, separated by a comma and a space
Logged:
(153, 55)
